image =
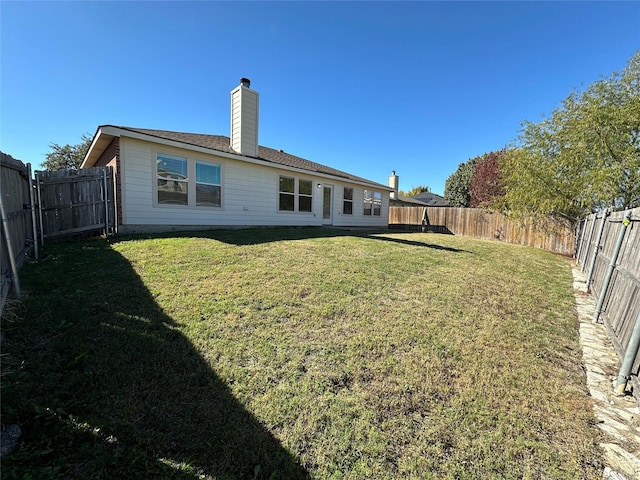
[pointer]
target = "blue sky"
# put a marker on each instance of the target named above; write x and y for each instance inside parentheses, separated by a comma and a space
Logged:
(366, 87)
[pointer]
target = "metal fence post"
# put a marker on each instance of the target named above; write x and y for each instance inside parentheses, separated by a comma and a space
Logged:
(583, 225)
(40, 209)
(106, 202)
(586, 252)
(605, 214)
(629, 359)
(34, 224)
(612, 265)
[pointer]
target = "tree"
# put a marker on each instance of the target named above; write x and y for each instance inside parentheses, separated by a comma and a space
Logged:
(456, 187)
(415, 191)
(585, 156)
(485, 186)
(67, 156)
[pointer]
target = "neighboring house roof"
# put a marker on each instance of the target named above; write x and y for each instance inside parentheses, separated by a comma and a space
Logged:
(221, 143)
(402, 200)
(431, 199)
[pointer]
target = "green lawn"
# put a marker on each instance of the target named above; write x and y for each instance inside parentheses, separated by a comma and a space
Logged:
(296, 353)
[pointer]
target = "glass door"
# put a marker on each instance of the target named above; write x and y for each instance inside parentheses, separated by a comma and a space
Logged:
(327, 205)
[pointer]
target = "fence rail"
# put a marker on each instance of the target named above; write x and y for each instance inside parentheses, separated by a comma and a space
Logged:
(478, 223)
(609, 253)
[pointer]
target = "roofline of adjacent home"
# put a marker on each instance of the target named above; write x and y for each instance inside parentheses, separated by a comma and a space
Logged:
(106, 133)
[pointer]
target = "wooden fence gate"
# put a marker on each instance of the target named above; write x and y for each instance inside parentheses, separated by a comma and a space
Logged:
(75, 201)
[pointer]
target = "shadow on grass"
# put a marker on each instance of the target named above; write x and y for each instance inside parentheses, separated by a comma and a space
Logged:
(254, 236)
(104, 385)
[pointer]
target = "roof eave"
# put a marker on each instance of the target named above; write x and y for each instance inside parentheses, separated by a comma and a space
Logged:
(106, 133)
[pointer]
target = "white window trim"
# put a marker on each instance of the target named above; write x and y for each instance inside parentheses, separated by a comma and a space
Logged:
(191, 182)
(375, 195)
(296, 195)
(347, 200)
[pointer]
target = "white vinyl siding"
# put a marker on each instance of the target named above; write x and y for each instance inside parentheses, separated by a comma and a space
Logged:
(249, 194)
(372, 204)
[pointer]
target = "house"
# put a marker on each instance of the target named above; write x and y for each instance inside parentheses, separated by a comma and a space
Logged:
(431, 199)
(167, 180)
(423, 199)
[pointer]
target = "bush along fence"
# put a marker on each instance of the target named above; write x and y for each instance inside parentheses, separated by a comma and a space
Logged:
(54, 205)
(608, 251)
(478, 223)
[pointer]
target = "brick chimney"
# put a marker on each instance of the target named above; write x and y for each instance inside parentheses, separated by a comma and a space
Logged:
(244, 119)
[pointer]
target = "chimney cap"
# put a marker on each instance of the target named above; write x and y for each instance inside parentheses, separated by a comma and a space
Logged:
(245, 82)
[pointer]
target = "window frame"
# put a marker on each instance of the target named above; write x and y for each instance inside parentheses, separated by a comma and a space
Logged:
(190, 181)
(372, 203)
(295, 194)
(346, 201)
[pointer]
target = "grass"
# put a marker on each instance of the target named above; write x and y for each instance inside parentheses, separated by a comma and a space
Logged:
(297, 353)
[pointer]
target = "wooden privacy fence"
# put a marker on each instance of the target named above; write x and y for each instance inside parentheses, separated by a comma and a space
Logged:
(18, 235)
(478, 223)
(75, 201)
(609, 253)
(57, 204)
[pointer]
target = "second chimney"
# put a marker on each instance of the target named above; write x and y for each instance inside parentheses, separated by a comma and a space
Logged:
(244, 119)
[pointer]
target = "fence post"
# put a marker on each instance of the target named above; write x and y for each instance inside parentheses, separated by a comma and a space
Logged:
(629, 358)
(9, 245)
(34, 224)
(583, 225)
(612, 265)
(593, 225)
(605, 214)
(106, 202)
(40, 209)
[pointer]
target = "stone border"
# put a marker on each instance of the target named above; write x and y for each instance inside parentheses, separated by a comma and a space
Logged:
(618, 417)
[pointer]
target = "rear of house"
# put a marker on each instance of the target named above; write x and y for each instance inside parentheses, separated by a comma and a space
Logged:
(168, 180)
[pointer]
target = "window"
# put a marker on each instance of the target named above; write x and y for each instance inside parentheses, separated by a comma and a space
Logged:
(295, 195)
(208, 184)
(180, 181)
(347, 202)
(305, 190)
(377, 203)
(173, 182)
(287, 194)
(372, 203)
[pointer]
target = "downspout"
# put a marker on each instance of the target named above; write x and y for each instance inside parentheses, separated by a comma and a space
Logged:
(629, 358)
(597, 247)
(612, 265)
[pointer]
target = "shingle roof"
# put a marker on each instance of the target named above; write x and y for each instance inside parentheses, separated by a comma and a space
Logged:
(431, 199)
(221, 143)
